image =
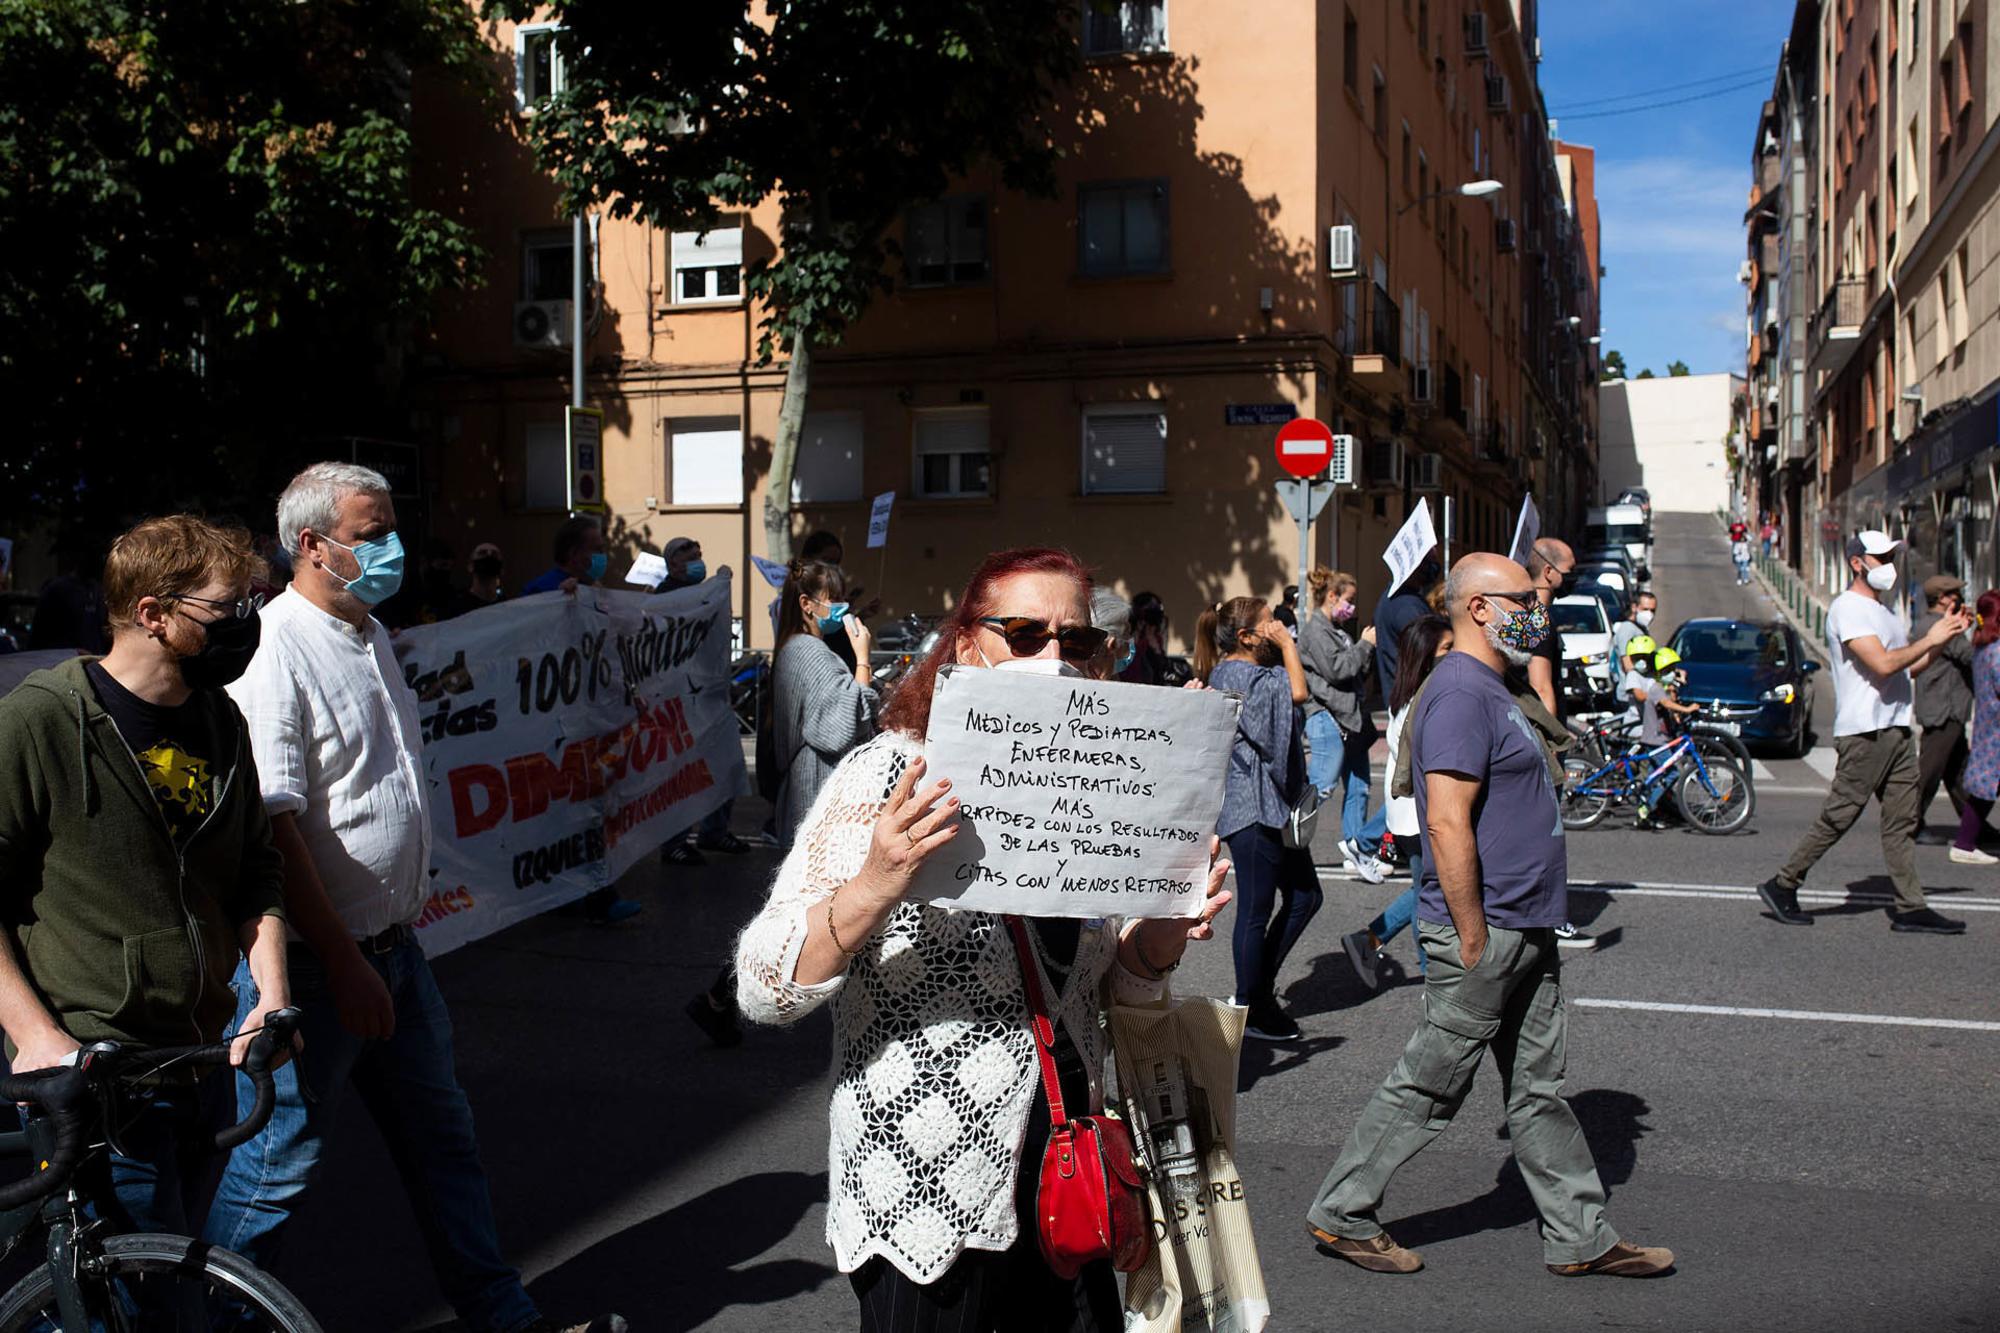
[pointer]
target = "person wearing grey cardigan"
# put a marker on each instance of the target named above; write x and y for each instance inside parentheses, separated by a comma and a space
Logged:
(823, 710)
(1339, 729)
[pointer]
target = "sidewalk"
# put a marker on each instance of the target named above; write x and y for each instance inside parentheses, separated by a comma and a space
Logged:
(1793, 598)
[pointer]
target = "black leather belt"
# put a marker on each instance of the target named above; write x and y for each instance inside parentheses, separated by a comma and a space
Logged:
(391, 939)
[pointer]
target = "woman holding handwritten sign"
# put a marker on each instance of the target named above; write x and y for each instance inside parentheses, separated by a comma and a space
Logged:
(938, 1117)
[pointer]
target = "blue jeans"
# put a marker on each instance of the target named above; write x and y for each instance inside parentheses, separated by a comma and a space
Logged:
(409, 1083)
(1324, 753)
(1356, 824)
(166, 1174)
(1402, 911)
(1268, 874)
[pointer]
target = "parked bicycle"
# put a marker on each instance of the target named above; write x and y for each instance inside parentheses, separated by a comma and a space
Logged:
(95, 1279)
(1714, 795)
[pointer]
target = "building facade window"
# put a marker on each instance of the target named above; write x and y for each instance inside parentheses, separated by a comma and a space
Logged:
(1125, 449)
(707, 266)
(828, 469)
(1122, 228)
(1350, 52)
(954, 452)
(545, 466)
(1381, 104)
(705, 461)
(1960, 317)
(1116, 27)
(944, 243)
(538, 66)
(545, 266)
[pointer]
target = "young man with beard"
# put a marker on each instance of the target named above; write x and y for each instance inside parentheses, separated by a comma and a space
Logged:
(1495, 887)
(136, 861)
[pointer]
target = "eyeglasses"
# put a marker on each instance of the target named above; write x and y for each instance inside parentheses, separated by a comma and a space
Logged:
(1518, 598)
(242, 608)
(1026, 637)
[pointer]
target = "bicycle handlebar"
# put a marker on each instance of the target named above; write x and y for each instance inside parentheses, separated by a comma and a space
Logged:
(64, 1094)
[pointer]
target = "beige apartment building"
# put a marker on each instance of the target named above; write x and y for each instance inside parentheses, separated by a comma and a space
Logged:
(1256, 218)
(1901, 214)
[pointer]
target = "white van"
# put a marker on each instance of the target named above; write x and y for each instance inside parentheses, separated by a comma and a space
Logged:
(1621, 525)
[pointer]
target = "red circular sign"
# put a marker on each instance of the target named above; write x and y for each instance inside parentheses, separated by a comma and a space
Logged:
(1305, 447)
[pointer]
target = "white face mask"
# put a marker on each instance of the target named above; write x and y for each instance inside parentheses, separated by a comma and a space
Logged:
(1031, 666)
(1882, 578)
(1642, 618)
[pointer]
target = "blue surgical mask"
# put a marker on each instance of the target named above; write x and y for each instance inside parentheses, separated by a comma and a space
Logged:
(381, 564)
(1131, 651)
(836, 613)
(598, 564)
(694, 571)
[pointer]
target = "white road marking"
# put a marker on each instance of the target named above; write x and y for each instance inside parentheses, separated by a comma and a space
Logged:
(1820, 760)
(1798, 1015)
(1739, 893)
(1760, 772)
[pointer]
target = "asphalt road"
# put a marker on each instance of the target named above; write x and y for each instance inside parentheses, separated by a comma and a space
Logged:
(1809, 1117)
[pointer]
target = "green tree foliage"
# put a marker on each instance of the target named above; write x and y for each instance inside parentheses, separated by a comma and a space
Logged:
(850, 111)
(1676, 369)
(1614, 365)
(1645, 374)
(214, 247)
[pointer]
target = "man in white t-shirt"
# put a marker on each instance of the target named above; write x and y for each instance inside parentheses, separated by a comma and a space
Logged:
(1872, 662)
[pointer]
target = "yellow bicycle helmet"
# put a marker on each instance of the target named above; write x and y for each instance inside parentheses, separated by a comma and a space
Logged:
(1664, 660)
(1641, 645)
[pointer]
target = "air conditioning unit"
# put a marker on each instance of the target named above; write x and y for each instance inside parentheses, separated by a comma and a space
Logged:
(1385, 465)
(1506, 235)
(541, 324)
(1427, 473)
(1340, 248)
(1744, 271)
(1475, 34)
(1341, 468)
(1420, 384)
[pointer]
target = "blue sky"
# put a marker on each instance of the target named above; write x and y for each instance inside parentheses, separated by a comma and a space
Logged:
(1672, 183)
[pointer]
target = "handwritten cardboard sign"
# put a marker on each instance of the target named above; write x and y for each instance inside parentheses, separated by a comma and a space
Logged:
(1079, 797)
(1412, 542)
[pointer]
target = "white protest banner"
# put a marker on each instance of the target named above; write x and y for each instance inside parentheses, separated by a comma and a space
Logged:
(878, 519)
(1411, 544)
(648, 571)
(564, 738)
(1527, 528)
(17, 667)
(1077, 797)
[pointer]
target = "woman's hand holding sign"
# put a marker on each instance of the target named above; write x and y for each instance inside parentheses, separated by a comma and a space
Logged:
(1152, 948)
(913, 825)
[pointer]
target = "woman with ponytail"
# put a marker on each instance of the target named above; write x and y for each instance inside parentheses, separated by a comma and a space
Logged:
(1338, 725)
(821, 707)
(1242, 648)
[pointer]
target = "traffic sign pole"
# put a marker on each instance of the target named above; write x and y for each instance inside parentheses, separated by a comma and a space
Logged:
(1305, 556)
(1307, 447)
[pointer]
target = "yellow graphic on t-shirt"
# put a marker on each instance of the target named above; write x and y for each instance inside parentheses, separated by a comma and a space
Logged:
(181, 782)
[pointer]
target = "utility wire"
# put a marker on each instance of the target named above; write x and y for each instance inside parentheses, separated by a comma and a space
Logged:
(1565, 117)
(1734, 75)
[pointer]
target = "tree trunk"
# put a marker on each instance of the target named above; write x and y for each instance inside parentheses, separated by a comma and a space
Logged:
(785, 453)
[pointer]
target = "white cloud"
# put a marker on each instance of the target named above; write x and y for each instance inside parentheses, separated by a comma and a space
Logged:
(1671, 206)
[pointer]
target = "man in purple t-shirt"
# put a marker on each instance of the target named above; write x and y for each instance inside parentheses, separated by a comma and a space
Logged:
(1496, 885)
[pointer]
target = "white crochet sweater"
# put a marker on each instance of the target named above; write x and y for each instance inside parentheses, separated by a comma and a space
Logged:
(934, 1063)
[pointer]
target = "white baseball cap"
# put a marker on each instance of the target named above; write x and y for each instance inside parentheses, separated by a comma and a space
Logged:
(1871, 542)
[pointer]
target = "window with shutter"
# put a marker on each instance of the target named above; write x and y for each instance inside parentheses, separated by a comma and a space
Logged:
(944, 242)
(828, 470)
(1122, 228)
(538, 66)
(707, 266)
(705, 461)
(953, 452)
(1125, 449)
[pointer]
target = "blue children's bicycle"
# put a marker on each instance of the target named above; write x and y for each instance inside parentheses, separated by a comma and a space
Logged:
(1714, 794)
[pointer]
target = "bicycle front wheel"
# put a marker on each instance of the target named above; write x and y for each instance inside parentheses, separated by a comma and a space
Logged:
(146, 1281)
(1581, 808)
(1723, 805)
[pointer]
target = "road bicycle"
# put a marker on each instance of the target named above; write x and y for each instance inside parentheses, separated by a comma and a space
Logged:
(95, 1279)
(1714, 795)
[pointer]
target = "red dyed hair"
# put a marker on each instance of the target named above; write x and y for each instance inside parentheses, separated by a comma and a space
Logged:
(909, 706)
(1989, 618)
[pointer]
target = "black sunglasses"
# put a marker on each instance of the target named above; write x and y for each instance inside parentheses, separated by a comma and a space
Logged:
(241, 608)
(1026, 635)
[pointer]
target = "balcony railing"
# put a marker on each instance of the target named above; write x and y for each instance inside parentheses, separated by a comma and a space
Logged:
(1836, 325)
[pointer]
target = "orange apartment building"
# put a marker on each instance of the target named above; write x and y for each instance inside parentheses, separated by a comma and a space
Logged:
(1248, 225)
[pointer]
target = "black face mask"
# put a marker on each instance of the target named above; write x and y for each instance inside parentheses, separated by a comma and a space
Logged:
(1567, 586)
(226, 653)
(486, 567)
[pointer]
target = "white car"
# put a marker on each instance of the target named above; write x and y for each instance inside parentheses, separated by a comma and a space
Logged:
(1586, 635)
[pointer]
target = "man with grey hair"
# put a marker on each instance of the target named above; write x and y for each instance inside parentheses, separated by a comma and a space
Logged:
(1113, 614)
(339, 755)
(1495, 886)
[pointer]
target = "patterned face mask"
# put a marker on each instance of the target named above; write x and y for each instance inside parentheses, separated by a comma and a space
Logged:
(1524, 630)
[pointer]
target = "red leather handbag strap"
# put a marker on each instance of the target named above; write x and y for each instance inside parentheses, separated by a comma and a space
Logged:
(1039, 1021)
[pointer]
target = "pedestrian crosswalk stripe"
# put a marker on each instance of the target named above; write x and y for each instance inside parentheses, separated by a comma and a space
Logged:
(1761, 772)
(1799, 1015)
(1736, 893)
(1820, 760)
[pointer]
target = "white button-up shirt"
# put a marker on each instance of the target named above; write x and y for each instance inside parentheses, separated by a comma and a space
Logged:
(335, 733)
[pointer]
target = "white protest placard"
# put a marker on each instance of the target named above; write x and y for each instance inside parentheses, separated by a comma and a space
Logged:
(878, 519)
(772, 570)
(1411, 544)
(1527, 528)
(565, 738)
(648, 571)
(1078, 798)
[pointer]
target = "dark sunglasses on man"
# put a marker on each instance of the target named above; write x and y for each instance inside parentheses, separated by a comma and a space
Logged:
(1026, 637)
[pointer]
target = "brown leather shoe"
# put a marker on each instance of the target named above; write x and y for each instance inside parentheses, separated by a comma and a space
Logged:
(1622, 1260)
(1377, 1254)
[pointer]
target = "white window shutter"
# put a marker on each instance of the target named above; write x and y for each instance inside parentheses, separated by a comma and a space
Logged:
(707, 461)
(952, 431)
(1125, 452)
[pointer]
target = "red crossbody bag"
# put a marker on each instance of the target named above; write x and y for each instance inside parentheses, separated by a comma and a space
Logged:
(1088, 1203)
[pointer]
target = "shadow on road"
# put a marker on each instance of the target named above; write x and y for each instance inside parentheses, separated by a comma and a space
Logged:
(694, 1261)
(1263, 1058)
(1612, 1126)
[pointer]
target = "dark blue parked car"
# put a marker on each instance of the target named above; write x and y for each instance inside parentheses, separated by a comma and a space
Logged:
(1757, 674)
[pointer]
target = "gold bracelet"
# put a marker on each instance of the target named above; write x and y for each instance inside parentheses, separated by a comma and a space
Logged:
(833, 934)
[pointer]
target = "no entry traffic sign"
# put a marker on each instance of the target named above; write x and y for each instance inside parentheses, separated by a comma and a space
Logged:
(1305, 447)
